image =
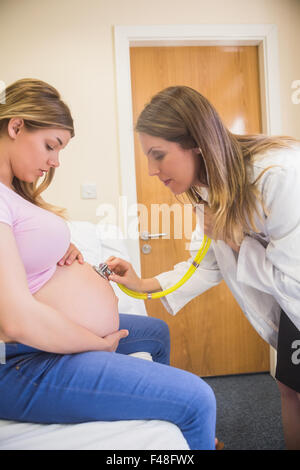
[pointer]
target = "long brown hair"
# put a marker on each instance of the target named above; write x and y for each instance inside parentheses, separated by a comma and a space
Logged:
(181, 114)
(40, 106)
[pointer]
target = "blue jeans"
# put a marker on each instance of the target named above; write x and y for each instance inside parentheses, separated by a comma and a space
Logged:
(41, 387)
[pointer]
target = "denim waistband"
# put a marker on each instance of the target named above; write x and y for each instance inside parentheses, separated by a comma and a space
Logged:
(14, 349)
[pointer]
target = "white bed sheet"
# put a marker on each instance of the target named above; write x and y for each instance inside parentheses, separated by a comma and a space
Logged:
(96, 242)
(99, 435)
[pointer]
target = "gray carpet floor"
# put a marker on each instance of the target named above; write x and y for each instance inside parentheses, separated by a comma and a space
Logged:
(248, 412)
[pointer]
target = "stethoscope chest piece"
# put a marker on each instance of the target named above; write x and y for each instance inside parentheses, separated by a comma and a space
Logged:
(103, 270)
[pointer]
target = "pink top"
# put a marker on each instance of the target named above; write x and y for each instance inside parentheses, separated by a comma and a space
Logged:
(42, 237)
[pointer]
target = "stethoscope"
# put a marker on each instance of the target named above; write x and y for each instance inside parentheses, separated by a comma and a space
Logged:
(104, 271)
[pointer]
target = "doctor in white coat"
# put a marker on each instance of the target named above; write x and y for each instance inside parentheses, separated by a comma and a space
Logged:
(249, 190)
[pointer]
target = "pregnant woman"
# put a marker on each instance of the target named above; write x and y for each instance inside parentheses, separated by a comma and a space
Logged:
(66, 344)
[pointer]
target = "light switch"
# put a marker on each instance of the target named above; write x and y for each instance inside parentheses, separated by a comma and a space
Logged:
(88, 191)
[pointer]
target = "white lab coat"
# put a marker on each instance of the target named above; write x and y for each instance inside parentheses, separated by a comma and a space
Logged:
(265, 274)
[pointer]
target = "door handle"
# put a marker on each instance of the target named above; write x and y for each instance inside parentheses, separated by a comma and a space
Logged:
(147, 235)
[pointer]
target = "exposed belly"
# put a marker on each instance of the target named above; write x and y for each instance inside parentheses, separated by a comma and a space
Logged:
(82, 295)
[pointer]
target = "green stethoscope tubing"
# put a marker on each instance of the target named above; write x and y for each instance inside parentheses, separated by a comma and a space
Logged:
(156, 295)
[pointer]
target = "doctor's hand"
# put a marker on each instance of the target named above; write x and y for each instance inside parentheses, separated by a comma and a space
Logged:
(123, 273)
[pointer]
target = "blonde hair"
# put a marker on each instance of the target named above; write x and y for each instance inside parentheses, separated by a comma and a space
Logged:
(181, 114)
(40, 106)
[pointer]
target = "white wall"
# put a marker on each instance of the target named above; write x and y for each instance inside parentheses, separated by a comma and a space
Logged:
(69, 43)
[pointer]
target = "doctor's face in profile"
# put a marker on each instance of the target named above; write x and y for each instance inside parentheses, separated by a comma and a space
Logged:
(176, 167)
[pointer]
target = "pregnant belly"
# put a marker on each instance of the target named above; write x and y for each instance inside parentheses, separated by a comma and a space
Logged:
(82, 295)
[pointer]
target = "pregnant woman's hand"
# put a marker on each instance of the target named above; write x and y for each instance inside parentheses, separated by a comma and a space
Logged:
(113, 339)
(70, 256)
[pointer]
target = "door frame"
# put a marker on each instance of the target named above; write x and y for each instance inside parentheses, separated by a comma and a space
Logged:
(265, 36)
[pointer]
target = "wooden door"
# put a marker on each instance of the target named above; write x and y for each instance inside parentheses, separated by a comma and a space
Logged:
(209, 336)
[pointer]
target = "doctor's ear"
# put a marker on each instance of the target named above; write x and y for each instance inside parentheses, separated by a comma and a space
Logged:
(14, 127)
(198, 150)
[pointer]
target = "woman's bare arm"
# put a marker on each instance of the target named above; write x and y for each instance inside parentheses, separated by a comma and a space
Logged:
(24, 319)
(150, 285)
